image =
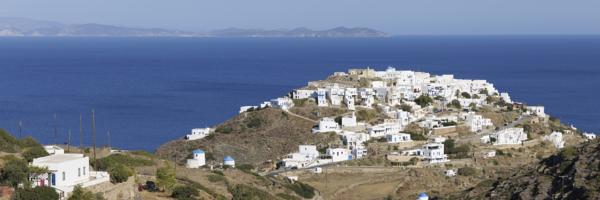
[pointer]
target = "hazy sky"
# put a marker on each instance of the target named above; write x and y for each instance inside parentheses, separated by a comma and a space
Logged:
(393, 16)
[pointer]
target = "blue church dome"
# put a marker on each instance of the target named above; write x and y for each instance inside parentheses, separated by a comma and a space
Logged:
(198, 151)
(228, 158)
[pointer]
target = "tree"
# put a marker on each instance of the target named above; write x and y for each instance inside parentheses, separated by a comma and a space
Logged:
(424, 100)
(484, 91)
(119, 173)
(465, 95)
(81, 194)
(37, 193)
(165, 177)
(455, 103)
(34, 152)
(184, 192)
(406, 108)
(14, 172)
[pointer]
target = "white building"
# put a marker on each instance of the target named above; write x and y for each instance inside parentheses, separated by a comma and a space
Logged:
(283, 103)
(434, 153)
(359, 151)
(506, 97)
(352, 139)
(327, 124)
(303, 94)
(398, 137)
(198, 159)
(556, 138)
(476, 122)
(305, 157)
(490, 154)
(322, 97)
(65, 171)
(51, 149)
(380, 130)
(589, 136)
(246, 108)
(339, 154)
(349, 120)
(537, 110)
(198, 133)
(229, 161)
(508, 136)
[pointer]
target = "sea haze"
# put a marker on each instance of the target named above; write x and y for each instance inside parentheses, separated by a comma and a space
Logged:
(148, 91)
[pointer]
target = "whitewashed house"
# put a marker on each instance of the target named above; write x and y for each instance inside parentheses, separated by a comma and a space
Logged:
(229, 161)
(198, 159)
(537, 110)
(65, 171)
(506, 97)
(352, 139)
(359, 151)
(327, 124)
(303, 94)
(434, 153)
(556, 138)
(336, 95)
(477, 123)
(305, 157)
(198, 133)
(322, 97)
(397, 138)
(283, 103)
(380, 130)
(508, 136)
(349, 120)
(51, 149)
(489, 154)
(246, 108)
(589, 136)
(339, 154)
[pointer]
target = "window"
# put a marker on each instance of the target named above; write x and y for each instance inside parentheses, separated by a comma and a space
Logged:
(63, 176)
(83, 170)
(78, 172)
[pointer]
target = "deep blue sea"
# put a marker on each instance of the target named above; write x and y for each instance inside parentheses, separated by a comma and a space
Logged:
(147, 91)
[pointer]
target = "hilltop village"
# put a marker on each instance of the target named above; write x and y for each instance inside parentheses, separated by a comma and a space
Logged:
(361, 134)
(385, 121)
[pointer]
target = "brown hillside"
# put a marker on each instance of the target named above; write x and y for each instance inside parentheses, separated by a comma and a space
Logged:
(252, 137)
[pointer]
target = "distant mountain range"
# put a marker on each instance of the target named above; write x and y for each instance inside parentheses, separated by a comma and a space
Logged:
(29, 27)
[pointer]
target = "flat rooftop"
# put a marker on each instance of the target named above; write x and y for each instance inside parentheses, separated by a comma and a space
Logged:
(58, 158)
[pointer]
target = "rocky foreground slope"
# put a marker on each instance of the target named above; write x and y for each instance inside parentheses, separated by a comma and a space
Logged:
(574, 173)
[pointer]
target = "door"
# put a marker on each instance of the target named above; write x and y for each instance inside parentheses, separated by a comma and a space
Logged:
(53, 179)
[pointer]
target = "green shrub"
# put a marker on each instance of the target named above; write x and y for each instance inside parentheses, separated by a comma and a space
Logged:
(122, 159)
(215, 178)
(34, 152)
(455, 103)
(8, 143)
(568, 153)
(28, 142)
(81, 194)
(184, 192)
(287, 196)
(424, 100)
(467, 171)
(37, 193)
(466, 95)
(226, 129)
(302, 189)
(119, 173)
(165, 177)
(366, 115)
(14, 172)
(246, 192)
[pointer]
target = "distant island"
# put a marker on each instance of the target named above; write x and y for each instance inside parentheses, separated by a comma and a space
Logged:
(29, 28)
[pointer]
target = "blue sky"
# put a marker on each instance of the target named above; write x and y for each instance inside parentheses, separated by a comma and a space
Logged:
(440, 17)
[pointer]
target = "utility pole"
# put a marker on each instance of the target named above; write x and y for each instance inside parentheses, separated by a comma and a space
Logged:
(69, 142)
(94, 137)
(108, 136)
(20, 129)
(55, 129)
(81, 133)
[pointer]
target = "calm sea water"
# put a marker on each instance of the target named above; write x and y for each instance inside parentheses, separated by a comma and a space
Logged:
(147, 91)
